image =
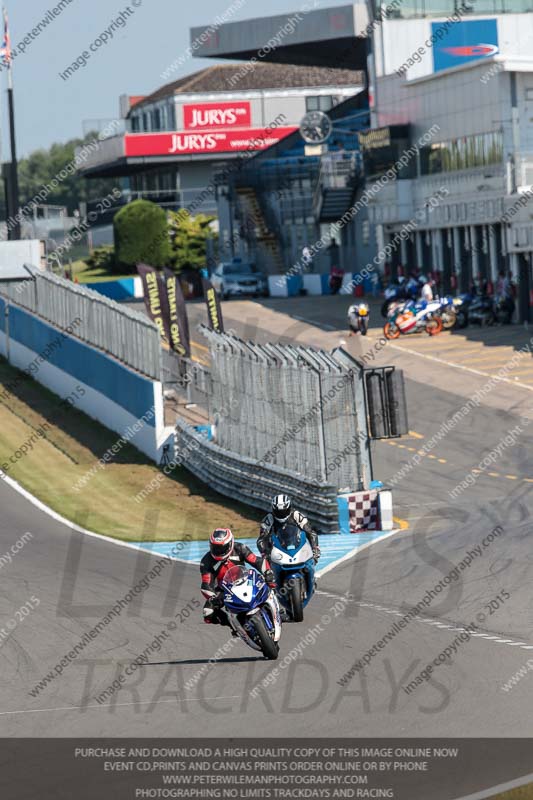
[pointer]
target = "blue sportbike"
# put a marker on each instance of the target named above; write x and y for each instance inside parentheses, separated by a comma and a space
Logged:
(252, 609)
(293, 564)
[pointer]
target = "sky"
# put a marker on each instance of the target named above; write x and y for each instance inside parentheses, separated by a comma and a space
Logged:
(156, 32)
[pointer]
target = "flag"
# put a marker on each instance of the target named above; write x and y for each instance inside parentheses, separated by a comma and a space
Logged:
(155, 298)
(214, 312)
(5, 50)
(179, 325)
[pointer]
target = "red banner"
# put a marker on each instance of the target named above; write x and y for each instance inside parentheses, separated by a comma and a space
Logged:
(182, 142)
(206, 116)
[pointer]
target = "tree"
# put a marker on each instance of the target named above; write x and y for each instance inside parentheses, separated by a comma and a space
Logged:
(141, 235)
(188, 237)
(41, 167)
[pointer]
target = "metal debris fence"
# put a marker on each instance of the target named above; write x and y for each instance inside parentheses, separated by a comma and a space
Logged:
(295, 408)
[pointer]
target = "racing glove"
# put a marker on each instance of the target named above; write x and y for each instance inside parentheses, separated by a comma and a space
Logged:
(270, 578)
(316, 553)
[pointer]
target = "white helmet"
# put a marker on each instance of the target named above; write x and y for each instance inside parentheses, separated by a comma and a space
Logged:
(281, 507)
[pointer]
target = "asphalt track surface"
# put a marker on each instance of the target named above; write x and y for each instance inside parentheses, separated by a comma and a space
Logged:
(77, 579)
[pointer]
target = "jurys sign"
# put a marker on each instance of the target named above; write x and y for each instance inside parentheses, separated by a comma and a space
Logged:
(206, 116)
(188, 143)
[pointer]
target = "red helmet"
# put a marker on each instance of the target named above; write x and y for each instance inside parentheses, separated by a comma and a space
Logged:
(221, 544)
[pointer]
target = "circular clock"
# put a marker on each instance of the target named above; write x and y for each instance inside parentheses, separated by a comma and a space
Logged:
(315, 127)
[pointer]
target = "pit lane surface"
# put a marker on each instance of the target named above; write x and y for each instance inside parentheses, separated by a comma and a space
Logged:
(77, 579)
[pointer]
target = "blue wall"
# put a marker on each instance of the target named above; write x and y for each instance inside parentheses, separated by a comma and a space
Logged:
(2, 315)
(116, 290)
(133, 392)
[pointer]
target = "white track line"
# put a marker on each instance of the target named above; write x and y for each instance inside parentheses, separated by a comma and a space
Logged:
(497, 790)
(67, 523)
(433, 622)
(461, 366)
(355, 551)
(108, 705)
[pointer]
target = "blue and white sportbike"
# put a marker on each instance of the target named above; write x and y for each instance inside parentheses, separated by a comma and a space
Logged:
(293, 564)
(253, 610)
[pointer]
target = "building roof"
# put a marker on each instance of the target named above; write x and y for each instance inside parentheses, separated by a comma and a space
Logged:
(259, 75)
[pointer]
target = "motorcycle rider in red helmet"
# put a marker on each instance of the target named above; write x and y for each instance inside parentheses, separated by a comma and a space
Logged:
(224, 553)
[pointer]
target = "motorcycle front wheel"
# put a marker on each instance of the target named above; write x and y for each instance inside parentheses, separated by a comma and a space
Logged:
(269, 647)
(297, 608)
(364, 327)
(391, 331)
(449, 319)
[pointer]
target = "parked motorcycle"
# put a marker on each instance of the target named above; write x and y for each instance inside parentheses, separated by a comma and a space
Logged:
(448, 312)
(396, 294)
(253, 609)
(481, 311)
(414, 318)
(292, 560)
(358, 318)
(461, 304)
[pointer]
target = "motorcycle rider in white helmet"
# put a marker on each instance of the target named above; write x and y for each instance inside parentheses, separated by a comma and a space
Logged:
(283, 514)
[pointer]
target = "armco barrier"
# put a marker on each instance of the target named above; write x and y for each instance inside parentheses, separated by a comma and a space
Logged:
(242, 479)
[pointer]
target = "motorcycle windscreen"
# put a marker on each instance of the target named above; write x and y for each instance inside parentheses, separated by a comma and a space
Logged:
(234, 575)
(290, 537)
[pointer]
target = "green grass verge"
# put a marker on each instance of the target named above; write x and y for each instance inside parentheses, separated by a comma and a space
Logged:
(84, 274)
(73, 443)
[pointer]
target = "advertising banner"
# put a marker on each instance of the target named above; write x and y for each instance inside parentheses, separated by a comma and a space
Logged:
(188, 143)
(178, 323)
(214, 312)
(206, 116)
(463, 41)
(155, 298)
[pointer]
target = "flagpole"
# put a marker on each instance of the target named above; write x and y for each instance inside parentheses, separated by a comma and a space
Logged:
(14, 231)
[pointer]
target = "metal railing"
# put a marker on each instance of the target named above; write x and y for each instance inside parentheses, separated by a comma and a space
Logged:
(296, 408)
(337, 171)
(128, 336)
(190, 380)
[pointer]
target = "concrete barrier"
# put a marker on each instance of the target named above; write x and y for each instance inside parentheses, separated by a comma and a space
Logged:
(284, 285)
(106, 390)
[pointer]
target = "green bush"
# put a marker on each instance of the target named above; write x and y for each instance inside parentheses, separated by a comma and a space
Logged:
(189, 236)
(141, 235)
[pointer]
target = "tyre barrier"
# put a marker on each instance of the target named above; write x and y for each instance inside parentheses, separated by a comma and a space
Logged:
(244, 480)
